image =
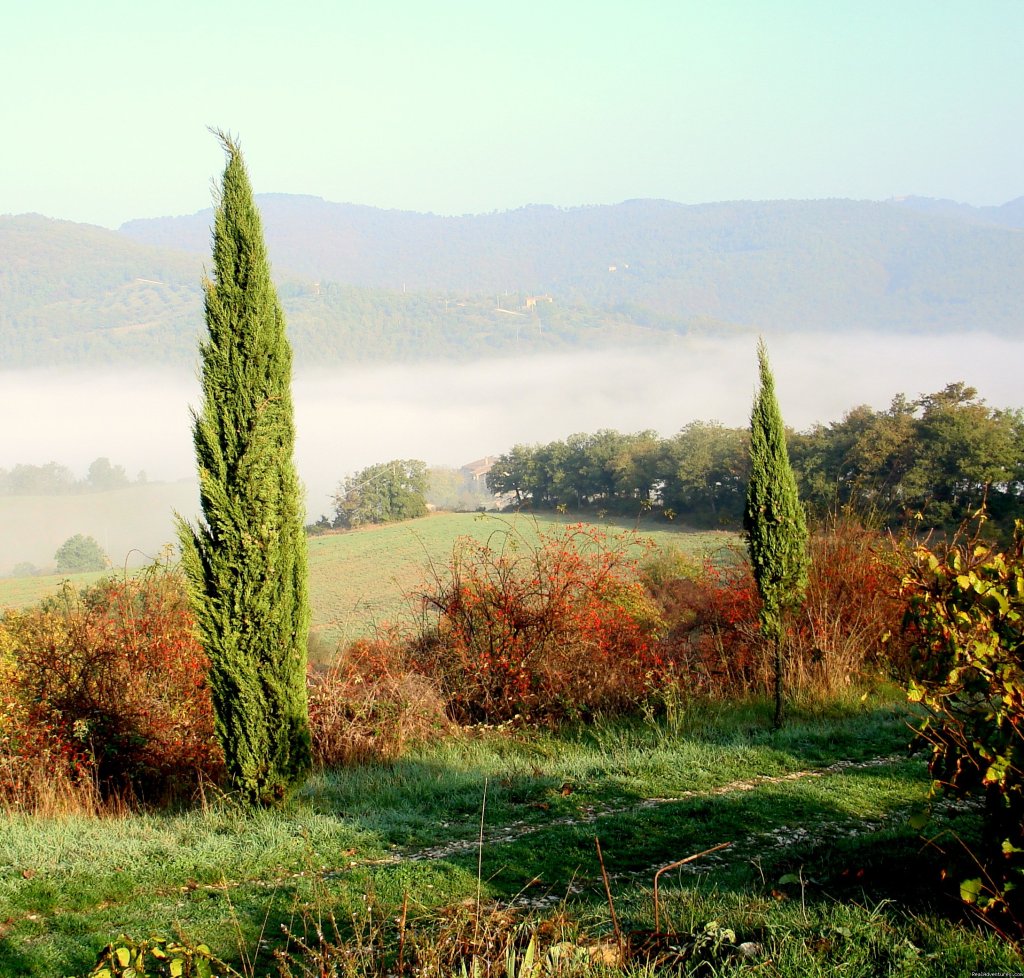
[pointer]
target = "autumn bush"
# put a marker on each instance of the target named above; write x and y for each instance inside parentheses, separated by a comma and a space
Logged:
(965, 619)
(848, 625)
(369, 705)
(40, 771)
(539, 631)
(110, 684)
(710, 642)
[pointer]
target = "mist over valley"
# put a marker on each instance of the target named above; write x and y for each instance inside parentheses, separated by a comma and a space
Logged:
(445, 413)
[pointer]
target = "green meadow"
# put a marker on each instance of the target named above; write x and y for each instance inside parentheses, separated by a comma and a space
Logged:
(823, 871)
(516, 851)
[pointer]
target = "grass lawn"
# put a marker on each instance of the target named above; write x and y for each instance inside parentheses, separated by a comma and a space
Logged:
(20, 592)
(823, 874)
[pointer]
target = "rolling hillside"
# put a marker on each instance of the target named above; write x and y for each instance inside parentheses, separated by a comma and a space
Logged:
(363, 284)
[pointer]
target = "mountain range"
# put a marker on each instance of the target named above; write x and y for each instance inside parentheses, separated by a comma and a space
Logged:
(359, 283)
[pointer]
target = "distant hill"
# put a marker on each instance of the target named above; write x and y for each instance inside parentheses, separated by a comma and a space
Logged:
(359, 283)
(1010, 214)
(73, 293)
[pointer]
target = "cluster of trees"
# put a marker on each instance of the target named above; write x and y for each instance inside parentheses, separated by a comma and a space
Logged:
(402, 489)
(382, 493)
(939, 456)
(53, 479)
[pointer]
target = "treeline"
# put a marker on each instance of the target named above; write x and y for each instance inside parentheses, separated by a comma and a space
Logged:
(935, 459)
(53, 479)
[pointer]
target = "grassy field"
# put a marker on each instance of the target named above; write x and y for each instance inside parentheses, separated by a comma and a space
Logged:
(487, 840)
(364, 578)
(823, 873)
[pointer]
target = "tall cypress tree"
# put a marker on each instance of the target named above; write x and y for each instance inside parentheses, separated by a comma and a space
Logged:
(774, 521)
(246, 560)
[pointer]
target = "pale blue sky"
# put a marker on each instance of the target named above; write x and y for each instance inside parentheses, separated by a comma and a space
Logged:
(459, 107)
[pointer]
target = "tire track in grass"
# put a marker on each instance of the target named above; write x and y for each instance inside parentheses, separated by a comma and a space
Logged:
(589, 814)
(776, 838)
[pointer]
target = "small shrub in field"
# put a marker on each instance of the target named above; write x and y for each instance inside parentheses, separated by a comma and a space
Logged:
(369, 705)
(113, 682)
(548, 631)
(80, 553)
(965, 616)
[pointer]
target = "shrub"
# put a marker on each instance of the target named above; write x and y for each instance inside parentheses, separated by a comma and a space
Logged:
(849, 623)
(368, 706)
(965, 615)
(114, 682)
(710, 644)
(80, 553)
(851, 605)
(558, 629)
(39, 771)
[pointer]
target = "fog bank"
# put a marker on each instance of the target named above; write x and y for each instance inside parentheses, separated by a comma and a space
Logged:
(449, 414)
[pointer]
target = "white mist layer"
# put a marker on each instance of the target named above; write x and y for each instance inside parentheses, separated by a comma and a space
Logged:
(450, 414)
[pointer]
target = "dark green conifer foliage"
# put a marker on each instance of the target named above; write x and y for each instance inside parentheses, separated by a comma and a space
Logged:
(246, 561)
(774, 521)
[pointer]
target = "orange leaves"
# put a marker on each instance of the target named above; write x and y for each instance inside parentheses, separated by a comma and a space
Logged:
(113, 681)
(548, 631)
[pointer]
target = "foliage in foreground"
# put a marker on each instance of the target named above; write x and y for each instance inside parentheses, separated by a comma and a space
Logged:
(966, 615)
(782, 932)
(159, 957)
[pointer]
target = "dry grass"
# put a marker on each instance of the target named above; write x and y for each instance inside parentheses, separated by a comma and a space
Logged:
(41, 786)
(369, 707)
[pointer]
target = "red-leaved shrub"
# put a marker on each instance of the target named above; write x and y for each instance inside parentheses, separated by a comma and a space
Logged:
(711, 641)
(544, 631)
(849, 620)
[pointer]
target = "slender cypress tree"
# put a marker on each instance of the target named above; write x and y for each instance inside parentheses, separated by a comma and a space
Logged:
(246, 561)
(774, 521)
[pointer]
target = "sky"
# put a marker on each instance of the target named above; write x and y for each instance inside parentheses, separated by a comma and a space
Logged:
(471, 106)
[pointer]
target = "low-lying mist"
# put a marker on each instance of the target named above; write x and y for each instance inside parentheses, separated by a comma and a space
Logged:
(450, 414)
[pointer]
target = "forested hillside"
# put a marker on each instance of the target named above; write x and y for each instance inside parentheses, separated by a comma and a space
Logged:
(364, 284)
(823, 264)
